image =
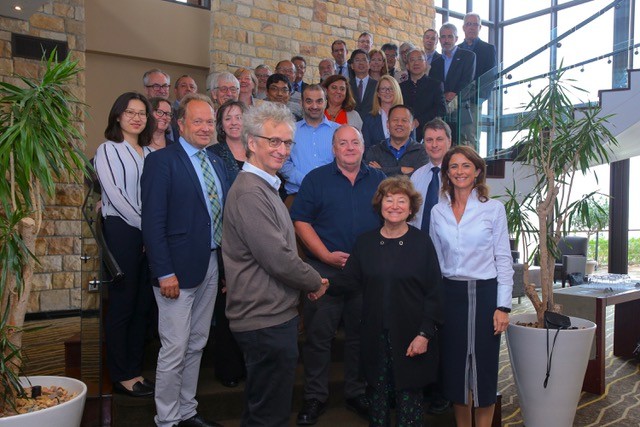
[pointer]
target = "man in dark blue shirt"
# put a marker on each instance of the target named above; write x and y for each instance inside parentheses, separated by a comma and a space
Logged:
(332, 208)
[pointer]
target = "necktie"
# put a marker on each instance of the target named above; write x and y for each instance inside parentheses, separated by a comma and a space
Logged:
(295, 87)
(214, 199)
(340, 67)
(432, 198)
(360, 91)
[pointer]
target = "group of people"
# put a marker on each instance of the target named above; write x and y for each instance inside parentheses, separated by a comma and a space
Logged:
(205, 198)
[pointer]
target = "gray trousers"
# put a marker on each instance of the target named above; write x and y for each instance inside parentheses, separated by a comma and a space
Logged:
(321, 320)
(183, 326)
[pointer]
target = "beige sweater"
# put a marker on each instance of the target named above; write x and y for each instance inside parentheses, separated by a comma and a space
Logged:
(263, 271)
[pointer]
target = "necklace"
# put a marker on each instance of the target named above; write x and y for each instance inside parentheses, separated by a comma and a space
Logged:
(333, 116)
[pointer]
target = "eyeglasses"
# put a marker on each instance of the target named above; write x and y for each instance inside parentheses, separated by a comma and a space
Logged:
(277, 142)
(226, 89)
(130, 114)
(262, 76)
(156, 86)
(385, 89)
(162, 113)
(285, 70)
(471, 24)
(277, 89)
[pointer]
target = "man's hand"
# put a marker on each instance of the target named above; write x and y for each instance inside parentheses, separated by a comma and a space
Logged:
(169, 287)
(448, 96)
(336, 259)
(314, 296)
(406, 170)
(375, 165)
(418, 346)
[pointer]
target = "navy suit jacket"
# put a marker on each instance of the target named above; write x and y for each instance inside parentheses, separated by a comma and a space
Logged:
(176, 226)
(372, 130)
(485, 61)
(364, 107)
(461, 72)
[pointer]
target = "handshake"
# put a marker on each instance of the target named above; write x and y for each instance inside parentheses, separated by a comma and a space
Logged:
(314, 296)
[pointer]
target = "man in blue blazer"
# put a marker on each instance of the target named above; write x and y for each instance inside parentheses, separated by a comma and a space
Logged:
(183, 189)
(485, 52)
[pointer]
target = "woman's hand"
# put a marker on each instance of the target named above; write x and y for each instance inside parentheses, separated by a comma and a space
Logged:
(500, 322)
(418, 346)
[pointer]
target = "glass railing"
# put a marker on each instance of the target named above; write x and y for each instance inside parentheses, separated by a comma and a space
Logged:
(488, 112)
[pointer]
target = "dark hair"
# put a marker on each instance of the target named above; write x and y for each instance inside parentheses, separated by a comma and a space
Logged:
(221, 135)
(113, 132)
(406, 107)
(480, 182)
(358, 52)
(389, 46)
(314, 86)
(349, 102)
(276, 78)
(399, 184)
(335, 42)
(299, 58)
(437, 124)
(155, 104)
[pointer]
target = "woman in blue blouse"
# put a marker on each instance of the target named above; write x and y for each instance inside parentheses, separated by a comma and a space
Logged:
(469, 232)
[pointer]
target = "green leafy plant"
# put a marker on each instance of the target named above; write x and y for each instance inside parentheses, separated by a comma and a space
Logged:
(39, 139)
(557, 145)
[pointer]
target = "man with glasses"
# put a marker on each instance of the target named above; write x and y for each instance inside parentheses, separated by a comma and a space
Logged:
(365, 42)
(279, 91)
(331, 209)
(262, 72)
(301, 67)
(184, 187)
(339, 52)
(456, 68)
(156, 83)
(313, 139)
(485, 52)
(363, 87)
(420, 92)
(184, 85)
(263, 271)
(224, 86)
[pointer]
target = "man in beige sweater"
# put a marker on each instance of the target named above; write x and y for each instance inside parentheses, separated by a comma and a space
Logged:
(263, 271)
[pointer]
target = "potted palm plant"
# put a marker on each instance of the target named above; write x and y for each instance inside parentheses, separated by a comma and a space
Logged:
(558, 145)
(39, 145)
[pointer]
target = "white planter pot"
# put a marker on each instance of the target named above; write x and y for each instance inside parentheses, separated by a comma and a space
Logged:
(555, 405)
(68, 414)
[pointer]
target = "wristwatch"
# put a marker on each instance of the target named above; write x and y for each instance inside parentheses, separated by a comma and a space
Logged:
(504, 309)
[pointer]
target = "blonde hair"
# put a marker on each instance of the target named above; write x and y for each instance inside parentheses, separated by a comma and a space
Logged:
(397, 98)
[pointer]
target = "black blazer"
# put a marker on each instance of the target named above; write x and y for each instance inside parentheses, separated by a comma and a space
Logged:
(364, 107)
(485, 61)
(175, 216)
(426, 99)
(461, 73)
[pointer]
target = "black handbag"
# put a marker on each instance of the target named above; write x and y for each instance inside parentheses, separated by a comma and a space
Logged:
(576, 279)
(555, 321)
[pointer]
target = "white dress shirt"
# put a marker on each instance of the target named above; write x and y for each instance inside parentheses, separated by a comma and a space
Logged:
(477, 248)
(421, 179)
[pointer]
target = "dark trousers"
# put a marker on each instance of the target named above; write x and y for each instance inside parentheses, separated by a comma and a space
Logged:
(270, 355)
(227, 355)
(130, 301)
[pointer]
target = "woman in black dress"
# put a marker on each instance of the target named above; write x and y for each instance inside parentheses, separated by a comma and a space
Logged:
(396, 269)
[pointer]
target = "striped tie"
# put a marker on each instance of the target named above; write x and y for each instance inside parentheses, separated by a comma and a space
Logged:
(214, 199)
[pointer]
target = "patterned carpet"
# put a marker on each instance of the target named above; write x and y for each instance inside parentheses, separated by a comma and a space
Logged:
(619, 406)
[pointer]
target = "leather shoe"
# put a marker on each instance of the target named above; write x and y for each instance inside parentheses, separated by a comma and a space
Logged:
(311, 411)
(198, 421)
(230, 383)
(359, 405)
(148, 383)
(138, 389)
(439, 406)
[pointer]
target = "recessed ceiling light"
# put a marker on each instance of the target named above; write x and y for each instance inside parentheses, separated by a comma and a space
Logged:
(17, 7)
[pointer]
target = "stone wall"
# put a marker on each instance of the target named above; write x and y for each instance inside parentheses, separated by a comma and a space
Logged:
(250, 32)
(57, 283)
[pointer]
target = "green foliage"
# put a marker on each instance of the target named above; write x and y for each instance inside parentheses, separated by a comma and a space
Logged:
(593, 217)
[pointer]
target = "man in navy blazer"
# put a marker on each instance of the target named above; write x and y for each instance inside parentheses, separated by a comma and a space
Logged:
(485, 52)
(360, 66)
(183, 189)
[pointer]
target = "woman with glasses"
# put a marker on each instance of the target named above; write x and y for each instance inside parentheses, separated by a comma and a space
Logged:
(374, 126)
(119, 162)
(340, 102)
(162, 114)
(248, 85)
(377, 64)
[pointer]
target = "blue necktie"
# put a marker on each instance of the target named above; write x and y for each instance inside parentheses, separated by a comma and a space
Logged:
(214, 199)
(432, 198)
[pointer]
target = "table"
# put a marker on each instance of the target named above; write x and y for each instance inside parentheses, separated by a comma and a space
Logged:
(590, 303)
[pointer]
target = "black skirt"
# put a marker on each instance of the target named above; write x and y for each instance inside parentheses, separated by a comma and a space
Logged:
(470, 351)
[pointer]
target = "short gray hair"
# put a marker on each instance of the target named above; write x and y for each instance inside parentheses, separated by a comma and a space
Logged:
(254, 119)
(221, 77)
(470, 14)
(449, 26)
(145, 76)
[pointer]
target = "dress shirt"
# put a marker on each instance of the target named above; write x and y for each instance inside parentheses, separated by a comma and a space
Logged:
(421, 179)
(272, 180)
(385, 118)
(477, 248)
(365, 82)
(119, 168)
(313, 148)
(430, 57)
(195, 161)
(344, 71)
(448, 60)
(464, 45)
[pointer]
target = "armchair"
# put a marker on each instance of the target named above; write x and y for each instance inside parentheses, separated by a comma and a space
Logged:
(573, 257)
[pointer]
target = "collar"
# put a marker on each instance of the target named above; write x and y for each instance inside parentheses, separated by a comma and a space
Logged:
(467, 46)
(325, 122)
(273, 181)
(453, 53)
(188, 148)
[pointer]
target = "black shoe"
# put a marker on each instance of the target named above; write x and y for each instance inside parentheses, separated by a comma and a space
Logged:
(439, 406)
(148, 383)
(138, 389)
(230, 383)
(359, 405)
(198, 421)
(311, 411)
